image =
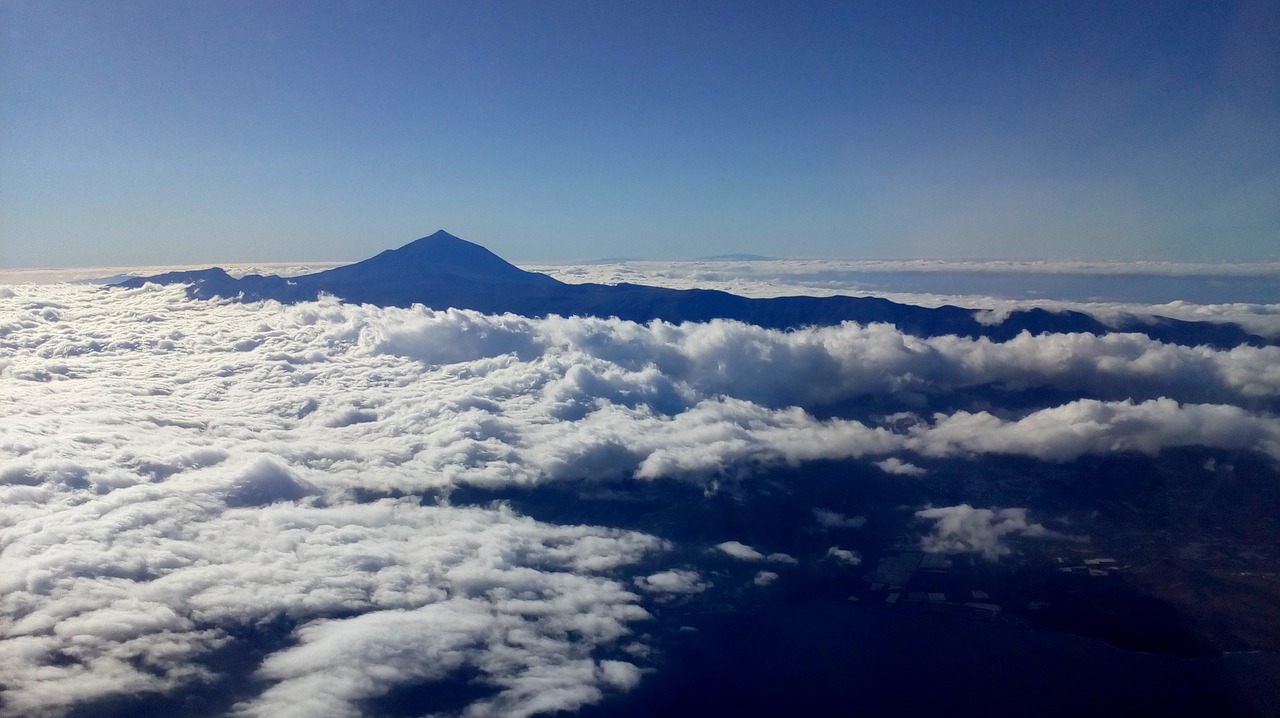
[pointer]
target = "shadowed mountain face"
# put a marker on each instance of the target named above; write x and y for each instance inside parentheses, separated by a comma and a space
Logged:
(440, 257)
(442, 271)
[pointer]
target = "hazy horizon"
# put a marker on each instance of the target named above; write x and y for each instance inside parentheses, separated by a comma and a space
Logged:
(1262, 266)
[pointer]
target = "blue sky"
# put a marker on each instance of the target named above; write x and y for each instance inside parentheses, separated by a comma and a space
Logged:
(166, 132)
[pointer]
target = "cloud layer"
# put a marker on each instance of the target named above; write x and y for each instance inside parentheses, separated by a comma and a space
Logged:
(175, 473)
(788, 277)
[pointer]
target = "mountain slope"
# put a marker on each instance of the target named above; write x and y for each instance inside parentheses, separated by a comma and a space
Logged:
(443, 271)
(439, 257)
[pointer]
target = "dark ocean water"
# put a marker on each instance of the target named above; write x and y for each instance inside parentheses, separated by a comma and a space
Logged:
(828, 658)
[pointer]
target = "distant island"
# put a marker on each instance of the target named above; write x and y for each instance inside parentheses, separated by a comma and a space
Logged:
(741, 257)
(443, 271)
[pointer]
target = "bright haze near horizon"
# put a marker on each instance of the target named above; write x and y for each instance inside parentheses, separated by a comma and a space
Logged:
(145, 133)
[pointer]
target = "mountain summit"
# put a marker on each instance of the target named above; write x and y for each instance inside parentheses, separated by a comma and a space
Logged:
(444, 271)
(438, 267)
(440, 255)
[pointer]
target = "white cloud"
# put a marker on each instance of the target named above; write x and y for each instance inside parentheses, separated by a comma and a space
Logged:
(740, 550)
(128, 580)
(1094, 427)
(965, 529)
(827, 277)
(894, 465)
(620, 674)
(829, 519)
(535, 668)
(764, 578)
(844, 556)
(669, 366)
(759, 273)
(673, 581)
(173, 473)
(744, 552)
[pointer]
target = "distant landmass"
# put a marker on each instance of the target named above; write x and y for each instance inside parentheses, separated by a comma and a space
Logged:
(613, 260)
(442, 271)
(735, 258)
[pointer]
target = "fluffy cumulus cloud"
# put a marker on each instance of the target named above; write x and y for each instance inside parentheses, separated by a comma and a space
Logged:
(844, 556)
(764, 578)
(675, 581)
(128, 591)
(965, 529)
(1089, 426)
(662, 363)
(176, 475)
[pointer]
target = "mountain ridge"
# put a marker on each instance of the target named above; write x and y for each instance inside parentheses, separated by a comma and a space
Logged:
(443, 271)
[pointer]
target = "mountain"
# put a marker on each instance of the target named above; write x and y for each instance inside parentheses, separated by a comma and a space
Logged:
(443, 271)
(440, 257)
